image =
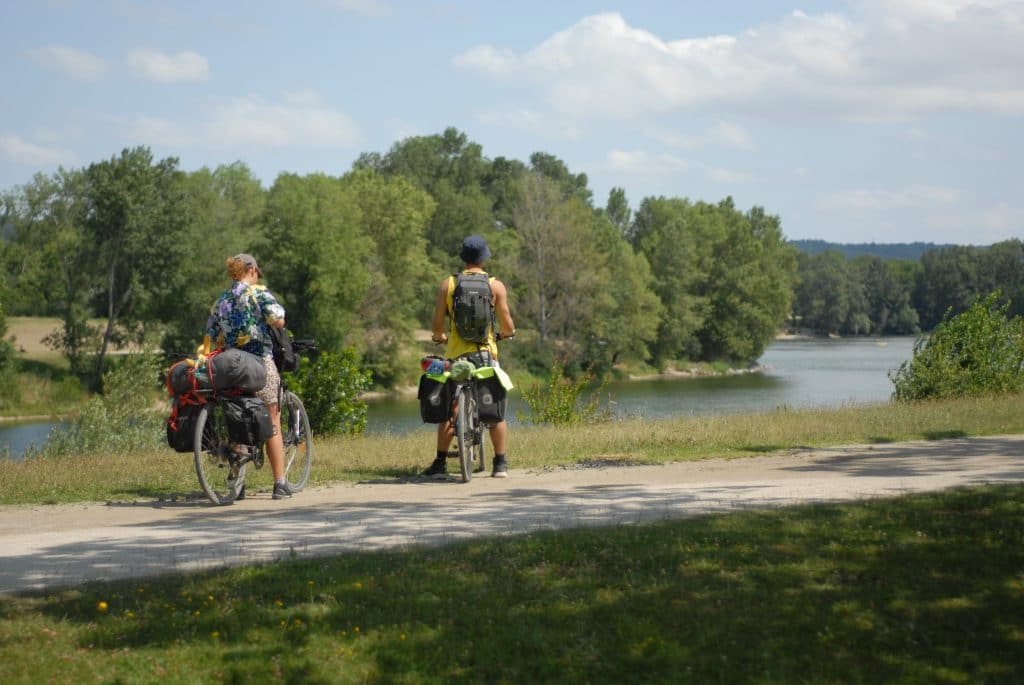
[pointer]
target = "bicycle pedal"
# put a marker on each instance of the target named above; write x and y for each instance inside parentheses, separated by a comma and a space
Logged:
(453, 454)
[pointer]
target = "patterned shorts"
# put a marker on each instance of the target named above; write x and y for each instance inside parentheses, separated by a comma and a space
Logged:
(270, 392)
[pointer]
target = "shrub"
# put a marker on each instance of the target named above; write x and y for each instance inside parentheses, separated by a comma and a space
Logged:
(10, 392)
(978, 352)
(122, 419)
(559, 399)
(330, 388)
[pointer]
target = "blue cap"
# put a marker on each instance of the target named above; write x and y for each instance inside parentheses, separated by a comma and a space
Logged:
(474, 250)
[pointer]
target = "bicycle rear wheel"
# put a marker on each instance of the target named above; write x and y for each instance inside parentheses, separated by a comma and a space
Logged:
(465, 433)
(298, 441)
(221, 473)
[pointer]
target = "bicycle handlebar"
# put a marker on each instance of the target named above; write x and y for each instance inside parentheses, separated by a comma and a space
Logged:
(497, 337)
(307, 345)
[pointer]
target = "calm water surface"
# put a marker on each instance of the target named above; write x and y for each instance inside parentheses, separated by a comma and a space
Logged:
(795, 374)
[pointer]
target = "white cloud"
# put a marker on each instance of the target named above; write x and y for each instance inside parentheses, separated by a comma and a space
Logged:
(29, 154)
(959, 56)
(727, 175)
(298, 120)
(158, 131)
(513, 118)
(1002, 219)
(903, 13)
(643, 163)
(915, 196)
(488, 59)
(76, 64)
(158, 66)
(722, 134)
(251, 121)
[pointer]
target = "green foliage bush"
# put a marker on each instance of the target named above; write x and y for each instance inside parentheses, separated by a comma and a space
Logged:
(330, 388)
(9, 390)
(122, 419)
(560, 400)
(978, 352)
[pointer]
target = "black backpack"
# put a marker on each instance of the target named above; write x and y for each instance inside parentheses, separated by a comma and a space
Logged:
(473, 306)
(286, 359)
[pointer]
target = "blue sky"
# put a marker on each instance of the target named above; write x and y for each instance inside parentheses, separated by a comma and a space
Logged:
(854, 121)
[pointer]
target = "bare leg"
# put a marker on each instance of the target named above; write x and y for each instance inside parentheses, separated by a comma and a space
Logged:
(499, 436)
(275, 445)
(445, 433)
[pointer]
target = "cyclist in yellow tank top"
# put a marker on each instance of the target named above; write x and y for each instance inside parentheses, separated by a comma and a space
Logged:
(474, 253)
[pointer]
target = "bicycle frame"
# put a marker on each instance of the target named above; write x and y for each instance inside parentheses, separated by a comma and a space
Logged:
(469, 431)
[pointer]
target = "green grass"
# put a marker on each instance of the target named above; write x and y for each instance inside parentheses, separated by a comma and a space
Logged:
(166, 474)
(919, 589)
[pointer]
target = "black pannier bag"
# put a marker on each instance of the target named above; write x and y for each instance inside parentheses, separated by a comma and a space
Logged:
(435, 399)
(286, 359)
(491, 398)
(248, 420)
(181, 425)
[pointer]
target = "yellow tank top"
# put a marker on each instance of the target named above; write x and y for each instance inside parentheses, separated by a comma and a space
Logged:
(457, 346)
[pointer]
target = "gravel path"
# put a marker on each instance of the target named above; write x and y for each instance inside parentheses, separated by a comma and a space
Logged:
(53, 546)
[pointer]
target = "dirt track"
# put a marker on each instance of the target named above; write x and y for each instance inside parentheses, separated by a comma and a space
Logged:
(50, 546)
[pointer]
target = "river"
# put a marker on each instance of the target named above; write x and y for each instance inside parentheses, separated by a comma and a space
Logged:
(796, 374)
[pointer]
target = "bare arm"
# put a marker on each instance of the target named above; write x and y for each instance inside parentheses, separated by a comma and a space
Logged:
(437, 333)
(508, 328)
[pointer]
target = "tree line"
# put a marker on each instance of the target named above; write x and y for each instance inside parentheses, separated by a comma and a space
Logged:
(139, 245)
(869, 295)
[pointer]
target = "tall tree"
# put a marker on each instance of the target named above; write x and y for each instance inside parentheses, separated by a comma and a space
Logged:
(663, 233)
(394, 214)
(887, 290)
(452, 170)
(569, 184)
(225, 211)
(749, 287)
(561, 272)
(1002, 269)
(618, 211)
(627, 312)
(950, 279)
(134, 229)
(822, 302)
(318, 257)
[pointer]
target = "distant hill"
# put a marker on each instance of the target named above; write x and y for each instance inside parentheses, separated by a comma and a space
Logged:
(908, 251)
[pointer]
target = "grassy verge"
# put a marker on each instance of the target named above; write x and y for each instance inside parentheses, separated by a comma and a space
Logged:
(166, 474)
(925, 588)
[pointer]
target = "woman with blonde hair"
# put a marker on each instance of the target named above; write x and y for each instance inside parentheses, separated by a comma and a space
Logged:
(242, 317)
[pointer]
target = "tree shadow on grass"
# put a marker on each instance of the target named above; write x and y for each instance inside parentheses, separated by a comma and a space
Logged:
(884, 591)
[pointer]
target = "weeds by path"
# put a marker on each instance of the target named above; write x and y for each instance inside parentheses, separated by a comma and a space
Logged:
(167, 474)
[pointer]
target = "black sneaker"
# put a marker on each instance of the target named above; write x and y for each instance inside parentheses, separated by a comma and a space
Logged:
(500, 468)
(438, 469)
(281, 490)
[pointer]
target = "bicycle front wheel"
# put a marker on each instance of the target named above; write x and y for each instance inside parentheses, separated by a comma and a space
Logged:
(298, 441)
(221, 473)
(465, 433)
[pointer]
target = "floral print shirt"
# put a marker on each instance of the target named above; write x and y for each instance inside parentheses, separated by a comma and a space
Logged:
(241, 317)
